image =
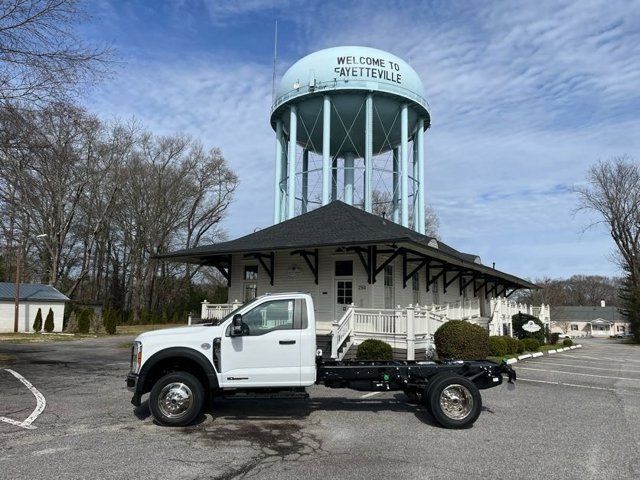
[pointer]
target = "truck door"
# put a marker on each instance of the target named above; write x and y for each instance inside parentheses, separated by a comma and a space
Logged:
(268, 352)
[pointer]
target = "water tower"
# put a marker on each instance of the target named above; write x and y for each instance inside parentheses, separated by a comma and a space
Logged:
(349, 125)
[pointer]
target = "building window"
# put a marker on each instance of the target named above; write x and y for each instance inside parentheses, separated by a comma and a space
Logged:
(620, 328)
(344, 268)
(415, 285)
(250, 282)
(574, 327)
(389, 292)
(344, 292)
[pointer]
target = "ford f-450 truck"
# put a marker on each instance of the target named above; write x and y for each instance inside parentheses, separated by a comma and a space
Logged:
(267, 349)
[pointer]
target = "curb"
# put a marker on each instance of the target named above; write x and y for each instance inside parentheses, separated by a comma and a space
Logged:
(511, 361)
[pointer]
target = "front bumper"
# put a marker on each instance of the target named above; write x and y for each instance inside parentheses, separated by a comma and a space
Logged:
(133, 381)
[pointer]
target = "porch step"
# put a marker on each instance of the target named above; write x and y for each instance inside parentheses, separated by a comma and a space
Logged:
(323, 342)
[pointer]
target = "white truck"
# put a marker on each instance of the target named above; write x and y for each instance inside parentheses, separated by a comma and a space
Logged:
(267, 349)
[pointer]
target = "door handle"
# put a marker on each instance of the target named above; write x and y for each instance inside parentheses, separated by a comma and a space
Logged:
(287, 342)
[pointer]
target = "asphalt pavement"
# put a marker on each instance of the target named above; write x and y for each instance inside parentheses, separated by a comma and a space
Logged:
(572, 415)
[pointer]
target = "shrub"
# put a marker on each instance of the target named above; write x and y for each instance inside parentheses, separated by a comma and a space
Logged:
(461, 340)
(372, 349)
(48, 323)
(37, 323)
(110, 320)
(519, 319)
(520, 347)
(531, 344)
(512, 344)
(553, 338)
(84, 320)
(498, 346)
(567, 342)
(72, 323)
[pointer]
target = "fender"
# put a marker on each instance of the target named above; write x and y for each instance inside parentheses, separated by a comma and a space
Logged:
(178, 352)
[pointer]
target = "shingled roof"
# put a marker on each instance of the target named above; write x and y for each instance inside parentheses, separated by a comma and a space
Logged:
(31, 292)
(336, 224)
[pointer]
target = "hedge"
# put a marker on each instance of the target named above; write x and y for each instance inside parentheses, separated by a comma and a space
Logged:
(519, 319)
(461, 340)
(531, 344)
(567, 342)
(372, 349)
(498, 346)
(48, 323)
(37, 323)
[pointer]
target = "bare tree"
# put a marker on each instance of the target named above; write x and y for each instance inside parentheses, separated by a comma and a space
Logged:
(613, 193)
(383, 207)
(40, 57)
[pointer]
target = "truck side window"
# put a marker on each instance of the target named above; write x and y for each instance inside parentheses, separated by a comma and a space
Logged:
(270, 316)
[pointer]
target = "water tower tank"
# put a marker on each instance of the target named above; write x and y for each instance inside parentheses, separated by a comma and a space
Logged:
(350, 125)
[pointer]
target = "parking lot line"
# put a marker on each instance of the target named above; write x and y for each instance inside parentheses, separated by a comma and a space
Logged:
(370, 394)
(602, 358)
(547, 362)
(575, 373)
(40, 404)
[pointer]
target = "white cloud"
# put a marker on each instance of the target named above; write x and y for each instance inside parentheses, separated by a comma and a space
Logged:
(523, 98)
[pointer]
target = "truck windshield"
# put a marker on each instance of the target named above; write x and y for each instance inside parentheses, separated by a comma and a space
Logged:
(215, 322)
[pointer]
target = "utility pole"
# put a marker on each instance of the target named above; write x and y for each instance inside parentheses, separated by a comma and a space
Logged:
(16, 307)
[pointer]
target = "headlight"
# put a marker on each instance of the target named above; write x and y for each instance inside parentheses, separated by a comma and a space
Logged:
(136, 357)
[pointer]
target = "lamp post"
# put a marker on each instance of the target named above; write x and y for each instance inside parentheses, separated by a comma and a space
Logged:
(16, 305)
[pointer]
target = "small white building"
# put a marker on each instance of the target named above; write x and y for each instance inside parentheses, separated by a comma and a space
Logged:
(589, 321)
(32, 297)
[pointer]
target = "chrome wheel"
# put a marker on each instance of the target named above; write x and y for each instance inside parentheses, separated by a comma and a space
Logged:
(456, 401)
(174, 400)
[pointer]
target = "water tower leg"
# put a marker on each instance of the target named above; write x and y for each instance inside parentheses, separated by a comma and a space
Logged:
(284, 185)
(293, 135)
(368, 154)
(279, 161)
(305, 179)
(396, 187)
(414, 200)
(421, 202)
(326, 147)
(348, 177)
(334, 180)
(404, 164)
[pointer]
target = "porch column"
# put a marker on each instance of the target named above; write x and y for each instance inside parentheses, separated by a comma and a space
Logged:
(348, 177)
(305, 179)
(411, 333)
(368, 154)
(421, 200)
(326, 148)
(404, 164)
(396, 187)
(293, 136)
(277, 195)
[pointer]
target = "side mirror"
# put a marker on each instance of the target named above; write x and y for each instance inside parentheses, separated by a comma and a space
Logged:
(236, 325)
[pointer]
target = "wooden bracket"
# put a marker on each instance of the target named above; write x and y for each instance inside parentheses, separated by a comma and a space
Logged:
(311, 259)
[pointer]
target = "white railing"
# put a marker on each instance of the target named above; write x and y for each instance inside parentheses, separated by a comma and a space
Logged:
(460, 310)
(216, 311)
(410, 328)
(342, 329)
(503, 309)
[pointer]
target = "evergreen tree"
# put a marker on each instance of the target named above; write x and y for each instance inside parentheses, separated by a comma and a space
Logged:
(630, 300)
(37, 323)
(48, 323)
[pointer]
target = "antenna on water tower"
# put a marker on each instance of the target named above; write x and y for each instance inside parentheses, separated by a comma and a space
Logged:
(275, 57)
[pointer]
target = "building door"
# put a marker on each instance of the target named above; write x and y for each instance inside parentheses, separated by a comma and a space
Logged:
(343, 287)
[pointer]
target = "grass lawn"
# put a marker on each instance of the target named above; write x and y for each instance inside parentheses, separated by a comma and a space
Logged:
(52, 337)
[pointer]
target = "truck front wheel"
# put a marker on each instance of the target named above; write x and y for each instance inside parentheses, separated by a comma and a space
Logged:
(454, 401)
(176, 399)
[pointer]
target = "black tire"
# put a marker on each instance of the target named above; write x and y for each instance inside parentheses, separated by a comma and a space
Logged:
(176, 399)
(461, 401)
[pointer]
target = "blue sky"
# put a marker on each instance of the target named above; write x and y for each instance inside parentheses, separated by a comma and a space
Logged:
(524, 97)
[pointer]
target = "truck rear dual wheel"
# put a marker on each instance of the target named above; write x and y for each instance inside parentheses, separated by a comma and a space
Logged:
(176, 399)
(454, 401)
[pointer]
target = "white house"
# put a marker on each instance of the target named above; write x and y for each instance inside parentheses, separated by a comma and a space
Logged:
(32, 298)
(589, 321)
(369, 278)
